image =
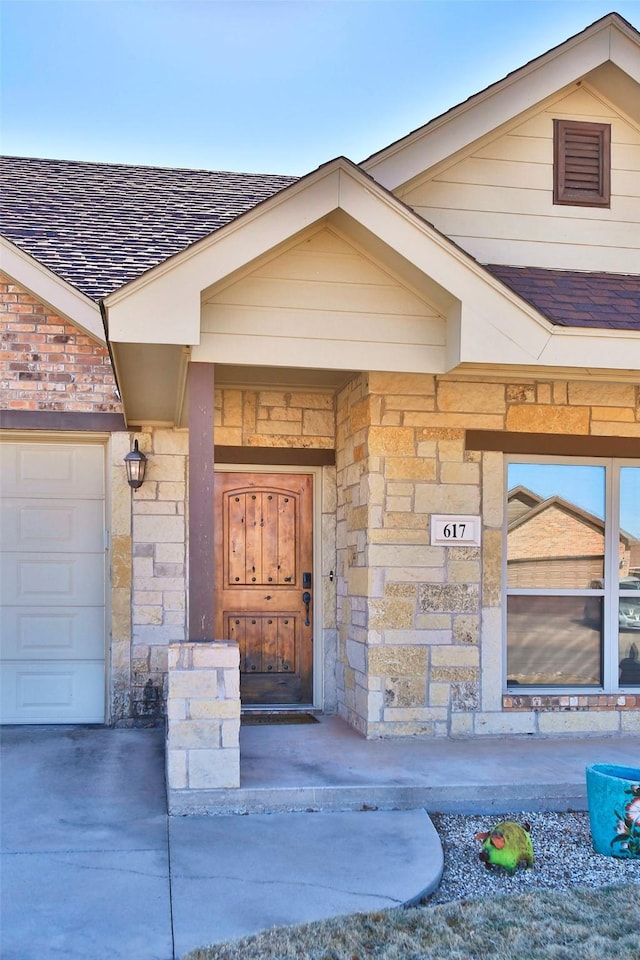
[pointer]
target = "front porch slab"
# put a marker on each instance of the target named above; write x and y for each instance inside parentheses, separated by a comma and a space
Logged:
(329, 766)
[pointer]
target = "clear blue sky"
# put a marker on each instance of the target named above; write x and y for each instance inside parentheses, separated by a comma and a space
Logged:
(275, 87)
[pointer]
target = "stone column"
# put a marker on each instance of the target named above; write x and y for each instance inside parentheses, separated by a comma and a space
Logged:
(203, 707)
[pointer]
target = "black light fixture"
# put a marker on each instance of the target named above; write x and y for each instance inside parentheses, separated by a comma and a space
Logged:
(136, 464)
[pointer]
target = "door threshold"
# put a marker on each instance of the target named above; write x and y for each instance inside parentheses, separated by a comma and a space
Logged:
(276, 717)
(252, 709)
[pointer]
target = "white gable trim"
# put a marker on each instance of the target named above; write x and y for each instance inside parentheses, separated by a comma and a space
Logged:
(610, 39)
(487, 322)
(163, 305)
(50, 289)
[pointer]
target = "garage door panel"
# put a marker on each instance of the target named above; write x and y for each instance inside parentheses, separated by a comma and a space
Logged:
(52, 582)
(53, 693)
(53, 578)
(52, 470)
(69, 633)
(52, 525)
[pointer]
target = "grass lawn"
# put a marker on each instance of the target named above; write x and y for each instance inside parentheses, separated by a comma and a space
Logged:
(581, 924)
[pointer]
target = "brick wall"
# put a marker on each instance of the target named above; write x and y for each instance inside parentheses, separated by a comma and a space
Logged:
(48, 364)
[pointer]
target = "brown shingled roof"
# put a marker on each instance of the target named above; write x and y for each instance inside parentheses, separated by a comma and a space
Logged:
(573, 298)
(99, 225)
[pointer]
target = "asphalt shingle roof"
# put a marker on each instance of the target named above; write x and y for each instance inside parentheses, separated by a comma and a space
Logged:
(573, 298)
(99, 225)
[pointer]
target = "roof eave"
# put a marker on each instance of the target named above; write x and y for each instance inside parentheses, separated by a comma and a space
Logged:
(61, 297)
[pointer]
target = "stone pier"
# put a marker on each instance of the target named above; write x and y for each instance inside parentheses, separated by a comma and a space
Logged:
(203, 709)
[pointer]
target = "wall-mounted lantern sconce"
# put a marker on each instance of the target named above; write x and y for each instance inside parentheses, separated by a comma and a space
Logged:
(136, 464)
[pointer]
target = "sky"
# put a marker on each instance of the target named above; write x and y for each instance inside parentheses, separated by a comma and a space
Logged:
(253, 85)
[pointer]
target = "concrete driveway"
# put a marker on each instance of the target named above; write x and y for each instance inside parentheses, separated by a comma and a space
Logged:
(94, 869)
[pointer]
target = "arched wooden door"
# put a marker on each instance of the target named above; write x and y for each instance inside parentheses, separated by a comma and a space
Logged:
(264, 582)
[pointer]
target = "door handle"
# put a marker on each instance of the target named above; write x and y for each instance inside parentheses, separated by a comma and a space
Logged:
(306, 599)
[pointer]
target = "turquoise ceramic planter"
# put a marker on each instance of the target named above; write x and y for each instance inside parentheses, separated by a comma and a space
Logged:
(613, 794)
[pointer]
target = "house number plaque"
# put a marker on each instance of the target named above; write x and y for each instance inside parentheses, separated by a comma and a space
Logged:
(454, 530)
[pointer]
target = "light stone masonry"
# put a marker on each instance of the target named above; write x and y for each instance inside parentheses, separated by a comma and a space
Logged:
(203, 707)
(574, 722)
(403, 620)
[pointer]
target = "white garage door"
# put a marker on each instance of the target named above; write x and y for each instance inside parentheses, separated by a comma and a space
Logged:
(52, 587)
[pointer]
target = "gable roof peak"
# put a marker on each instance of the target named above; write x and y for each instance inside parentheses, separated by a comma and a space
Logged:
(569, 61)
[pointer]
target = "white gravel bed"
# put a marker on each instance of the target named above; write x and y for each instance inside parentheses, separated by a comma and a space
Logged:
(563, 857)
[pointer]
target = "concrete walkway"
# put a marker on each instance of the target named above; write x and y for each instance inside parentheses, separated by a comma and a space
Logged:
(92, 866)
(93, 869)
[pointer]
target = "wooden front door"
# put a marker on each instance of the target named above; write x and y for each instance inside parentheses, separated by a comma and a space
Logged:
(264, 582)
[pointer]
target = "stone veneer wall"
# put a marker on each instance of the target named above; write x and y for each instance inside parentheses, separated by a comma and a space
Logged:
(274, 418)
(159, 582)
(149, 531)
(203, 739)
(148, 571)
(121, 581)
(424, 654)
(414, 645)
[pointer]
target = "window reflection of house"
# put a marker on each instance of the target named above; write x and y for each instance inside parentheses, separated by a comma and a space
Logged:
(573, 589)
(553, 543)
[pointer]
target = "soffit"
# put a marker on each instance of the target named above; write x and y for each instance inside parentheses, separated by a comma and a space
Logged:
(618, 88)
(151, 379)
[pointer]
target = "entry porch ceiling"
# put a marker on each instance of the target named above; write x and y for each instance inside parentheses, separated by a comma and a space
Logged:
(156, 381)
(281, 378)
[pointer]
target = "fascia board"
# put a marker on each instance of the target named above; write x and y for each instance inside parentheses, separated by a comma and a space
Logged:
(624, 53)
(453, 355)
(50, 289)
(115, 362)
(164, 305)
(570, 348)
(483, 341)
(577, 347)
(499, 104)
(309, 353)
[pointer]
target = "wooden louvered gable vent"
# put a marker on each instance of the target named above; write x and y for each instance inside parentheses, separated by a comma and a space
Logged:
(582, 163)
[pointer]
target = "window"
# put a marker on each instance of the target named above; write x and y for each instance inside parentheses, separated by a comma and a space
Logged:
(573, 574)
(581, 163)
